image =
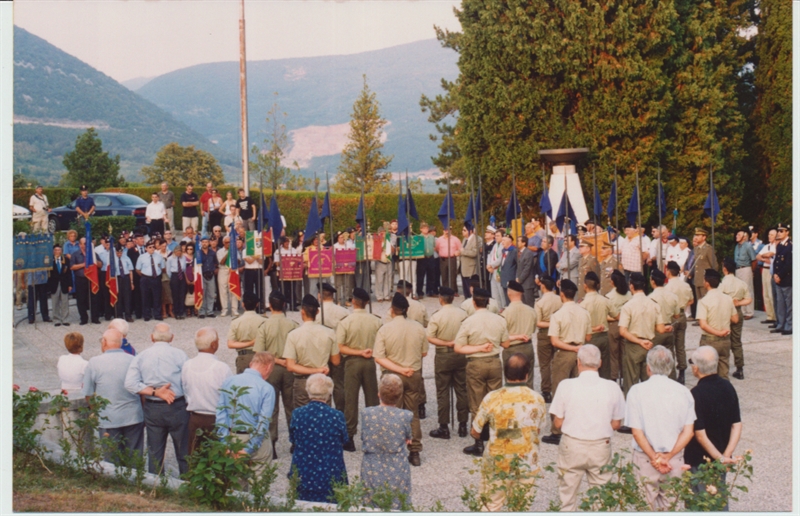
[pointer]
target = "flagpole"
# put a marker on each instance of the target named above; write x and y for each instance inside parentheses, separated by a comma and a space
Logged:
(546, 224)
(364, 236)
(616, 215)
(594, 218)
(408, 231)
(712, 202)
(330, 225)
(660, 260)
(474, 220)
(261, 236)
(639, 217)
(243, 101)
(319, 255)
(481, 256)
(398, 238)
(514, 186)
(568, 223)
(449, 251)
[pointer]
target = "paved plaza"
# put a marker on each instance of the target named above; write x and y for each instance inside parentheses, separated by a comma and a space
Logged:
(765, 397)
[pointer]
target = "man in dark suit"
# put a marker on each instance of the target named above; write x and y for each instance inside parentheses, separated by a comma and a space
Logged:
(508, 265)
(60, 285)
(133, 253)
(526, 272)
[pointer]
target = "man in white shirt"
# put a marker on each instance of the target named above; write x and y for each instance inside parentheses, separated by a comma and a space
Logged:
(673, 252)
(202, 376)
(587, 409)
(39, 209)
(766, 256)
(155, 215)
(660, 413)
(659, 234)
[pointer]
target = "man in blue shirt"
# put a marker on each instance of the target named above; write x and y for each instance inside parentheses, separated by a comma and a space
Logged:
(149, 267)
(252, 425)
(84, 205)
(744, 256)
(155, 374)
(122, 419)
(123, 268)
(103, 254)
(209, 264)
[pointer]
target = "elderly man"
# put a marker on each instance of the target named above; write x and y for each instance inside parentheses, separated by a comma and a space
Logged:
(155, 374)
(167, 198)
(719, 424)
(744, 257)
(738, 291)
(472, 249)
(569, 262)
(660, 413)
(765, 256)
(257, 404)
(515, 415)
(177, 271)
(508, 265)
(149, 267)
(587, 409)
(60, 285)
(202, 377)
(209, 266)
(121, 325)
(521, 323)
(526, 271)
(104, 376)
(716, 312)
(39, 208)
(124, 269)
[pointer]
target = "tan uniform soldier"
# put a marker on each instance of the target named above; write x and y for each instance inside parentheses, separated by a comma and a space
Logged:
(243, 331)
(588, 263)
(670, 312)
(333, 314)
(450, 368)
(704, 258)
(482, 337)
(683, 292)
(355, 336)
(521, 322)
(545, 307)
(308, 350)
(608, 264)
(399, 348)
(271, 338)
(469, 307)
(740, 293)
(716, 312)
(601, 310)
(416, 312)
(570, 328)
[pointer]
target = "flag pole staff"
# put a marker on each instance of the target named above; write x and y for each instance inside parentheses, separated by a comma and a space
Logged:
(330, 225)
(567, 223)
(409, 232)
(514, 186)
(712, 203)
(616, 215)
(364, 237)
(546, 224)
(319, 254)
(243, 102)
(398, 239)
(260, 235)
(639, 217)
(449, 251)
(660, 260)
(594, 210)
(481, 256)
(474, 221)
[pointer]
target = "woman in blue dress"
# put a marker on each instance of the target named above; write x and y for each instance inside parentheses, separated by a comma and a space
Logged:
(386, 430)
(318, 433)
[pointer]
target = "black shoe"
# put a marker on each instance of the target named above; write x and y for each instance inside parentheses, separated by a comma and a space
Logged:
(180, 317)
(159, 318)
(476, 449)
(624, 430)
(552, 439)
(57, 324)
(548, 398)
(350, 445)
(681, 376)
(128, 319)
(146, 319)
(66, 324)
(440, 433)
(413, 458)
(776, 331)
(768, 322)
(47, 320)
(738, 374)
(96, 322)
(201, 316)
(84, 323)
(785, 332)
(31, 321)
(211, 315)
(462, 429)
(274, 453)
(421, 411)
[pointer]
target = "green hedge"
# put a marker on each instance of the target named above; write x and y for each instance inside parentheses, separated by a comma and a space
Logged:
(100, 225)
(55, 196)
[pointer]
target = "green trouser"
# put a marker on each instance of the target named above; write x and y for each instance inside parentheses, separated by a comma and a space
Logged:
(283, 383)
(484, 375)
(723, 347)
(450, 369)
(423, 395)
(359, 373)
(410, 401)
(634, 365)
(243, 358)
(679, 331)
(736, 340)
(564, 366)
(337, 375)
(601, 340)
(615, 346)
(668, 341)
(545, 351)
(526, 348)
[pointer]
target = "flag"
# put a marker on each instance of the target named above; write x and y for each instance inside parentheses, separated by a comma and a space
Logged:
(361, 216)
(253, 242)
(447, 210)
(326, 208)
(111, 274)
(471, 218)
(90, 268)
(234, 285)
(564, 211)
(598, 203)
(612, 201)
(513, 208)
(275, 221)
(262, 215)
(712, 201)
(633, 207)
(198, 273)
(412, 207)
(313, 223)
(402, 216)
(544, 203)
(660, 195)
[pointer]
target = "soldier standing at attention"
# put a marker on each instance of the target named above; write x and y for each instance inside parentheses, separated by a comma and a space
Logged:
(450, 368)
(588, 263)
(243, 331)
(620, 295)
(482, 337)
(469, 307)
(308, 350)
(271, 338)
(416, 312)
(570, 328)
(600, 312)
(400, 346)
(608, 264)
(334, 313)
(521, 323)
(683, 291)
(704, 258)
(715, 313)
(739, 291)
(670, 312)
(545, 307)
(355, 336)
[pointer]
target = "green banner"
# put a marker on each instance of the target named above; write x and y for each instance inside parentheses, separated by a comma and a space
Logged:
(416, 246)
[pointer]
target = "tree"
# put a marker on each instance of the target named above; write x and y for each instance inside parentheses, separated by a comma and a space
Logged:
(181, 165)
(363, 161)
(88, 165)
(268, 162)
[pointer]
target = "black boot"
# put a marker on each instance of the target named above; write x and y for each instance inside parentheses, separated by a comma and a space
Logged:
(350, 445)
(552, 439)
(485, 432)
(739, 373)
(413, 458)
(274, 453)
(421, 411)
(440, 433)
(476, 449)
(462, 429)
(681, 376)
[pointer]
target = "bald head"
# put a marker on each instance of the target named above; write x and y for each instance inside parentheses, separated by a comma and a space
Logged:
(517, 367)
(161, 333)
(112, 339)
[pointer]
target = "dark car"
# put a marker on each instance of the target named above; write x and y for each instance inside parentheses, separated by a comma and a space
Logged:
(106, 205)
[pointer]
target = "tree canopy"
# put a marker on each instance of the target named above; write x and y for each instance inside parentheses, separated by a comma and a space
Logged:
(267, 163)
(88, 165)
(181, 165)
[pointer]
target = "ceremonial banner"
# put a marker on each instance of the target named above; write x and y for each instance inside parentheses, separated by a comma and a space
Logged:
(232, 261)
(90, 267)
(360, 249)
(377, 247)
(322, 267)
(198, 276)
(266, 243)
(253, 245)
(33, 252)
(291, 268)
(346, 261)
(417, 245)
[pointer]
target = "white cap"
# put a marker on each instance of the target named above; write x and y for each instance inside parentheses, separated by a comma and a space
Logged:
(491, 228)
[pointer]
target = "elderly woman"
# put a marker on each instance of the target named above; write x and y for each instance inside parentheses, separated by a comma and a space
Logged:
(318, 433)
(385, 432)
(72, 367)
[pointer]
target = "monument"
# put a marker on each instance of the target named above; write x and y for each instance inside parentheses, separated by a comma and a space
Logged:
(564, 177)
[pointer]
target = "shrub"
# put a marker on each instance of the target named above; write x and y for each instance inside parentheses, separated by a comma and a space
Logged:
(100, 225)
(83, 448)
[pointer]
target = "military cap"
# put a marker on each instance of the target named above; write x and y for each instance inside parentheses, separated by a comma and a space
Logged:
(607, 245)
(277, 295)
(84, 188)
(782, 226)
(580, 227)
(491, 229)
(586, 243)
(404, 284)
(591, 275)
(657, 275)
(700, 231)
(327, 287)
(399, 301)
(712, 273)
(311, 301)
(515, 286)
(360, 293)
(482, 293)
(446, 291)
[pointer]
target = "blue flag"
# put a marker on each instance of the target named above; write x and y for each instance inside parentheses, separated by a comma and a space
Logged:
(711, 206)
(326, 207)
(633, 207)
(564, 210)
(513, 207)
(313, 223)
(471, 218)
(544, 204)
(447, 210)
(262, 215)
(402, 217)
(275, 221)
(412, 207)
(233, 254)
(598, 203)
(361, 216)
(612, 201)
(660, 195)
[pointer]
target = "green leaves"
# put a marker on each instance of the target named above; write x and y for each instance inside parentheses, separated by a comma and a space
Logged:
(181, 165)
(88, 165)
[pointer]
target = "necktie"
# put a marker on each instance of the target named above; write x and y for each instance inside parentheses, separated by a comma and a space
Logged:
(58, 264)
(119, 268)
(180, 270)
(152, 266)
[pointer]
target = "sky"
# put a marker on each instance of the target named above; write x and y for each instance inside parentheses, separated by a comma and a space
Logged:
(127, 39)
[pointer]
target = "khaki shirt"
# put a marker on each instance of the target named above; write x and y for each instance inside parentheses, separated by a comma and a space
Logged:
(546, 306)
(403, 342)
(482, 327)
(734, 287)
(272, 334)
(587, 263)
(599, 309)
(416, 312)
(607, 266)
(704, 258)
(444, 325)
(520, 320)
(333, 314)
(640, 315)
(681, 289)
(716, 308)
(311, 345)
(469, 307)
(246, 327)
(668, 302)
(570, 323)
(358, 330)
(617, 300)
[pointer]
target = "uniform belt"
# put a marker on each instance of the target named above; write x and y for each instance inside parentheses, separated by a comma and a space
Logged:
(493, 357)
(246, 352)
(742, 267)
(162, 401)
(301, 376)
(518, 344)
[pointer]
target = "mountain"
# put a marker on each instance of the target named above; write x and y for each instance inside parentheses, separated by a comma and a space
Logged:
(57, 97)
(317, 94)
(136, 83)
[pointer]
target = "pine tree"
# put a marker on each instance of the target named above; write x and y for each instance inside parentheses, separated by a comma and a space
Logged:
(267, 163)
(88, 165)
(181, 165)
(363, 161)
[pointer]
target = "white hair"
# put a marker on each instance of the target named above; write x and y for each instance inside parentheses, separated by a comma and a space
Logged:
(319, 387)
(205, 337)
(706, 359)
(660, 360)
(161, 333)
(121, 325)
(589, 356)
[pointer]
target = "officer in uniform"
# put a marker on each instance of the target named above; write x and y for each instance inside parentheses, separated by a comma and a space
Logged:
(716, 312)
(308, 350)
(600, 311)
(482, 337)
(271, 337)
(521, 323)
(243, 331)
(548, 304)
(608, 264)
(570, 328)
(149, 267)
(669, 304)
(400, 346)
(683, 291)
(740, 293)
(416, 312)
(333, 314)
(704, 258)
(469, 307)
(355, 336)
(588, 263)
(450, 368)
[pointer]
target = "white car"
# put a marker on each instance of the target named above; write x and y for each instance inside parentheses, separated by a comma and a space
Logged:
(21, 213)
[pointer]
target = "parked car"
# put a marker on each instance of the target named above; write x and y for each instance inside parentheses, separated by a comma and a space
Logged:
(106, 205)
(21, 213)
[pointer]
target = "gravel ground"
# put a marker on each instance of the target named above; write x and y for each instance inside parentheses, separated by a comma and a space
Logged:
(765, 397)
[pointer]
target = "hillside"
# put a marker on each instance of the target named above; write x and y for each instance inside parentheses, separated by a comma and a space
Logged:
(317, 94)
(57, 96)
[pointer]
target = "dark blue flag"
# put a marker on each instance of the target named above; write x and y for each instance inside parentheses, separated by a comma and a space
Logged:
(326, 207)
(412, 208)
(275, 221)
(633, 207)
(447, 210)
(263, 215)
(612, 201)
(663, 197)
(313, 223)
(711, 207)
(513, 209)
(402, 217)
(598, 203)
(361, 216)
(473, 208)
(544, 204)
(564, 210)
